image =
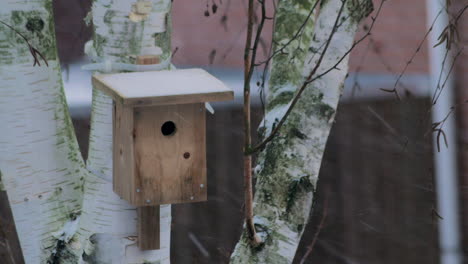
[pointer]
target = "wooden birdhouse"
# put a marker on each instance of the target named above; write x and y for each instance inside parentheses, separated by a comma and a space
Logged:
(159, 142)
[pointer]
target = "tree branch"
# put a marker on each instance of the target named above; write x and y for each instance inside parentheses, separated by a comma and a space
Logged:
(248, 189)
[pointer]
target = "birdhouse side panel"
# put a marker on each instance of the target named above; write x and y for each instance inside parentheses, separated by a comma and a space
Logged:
(123, 154)
(170, 154)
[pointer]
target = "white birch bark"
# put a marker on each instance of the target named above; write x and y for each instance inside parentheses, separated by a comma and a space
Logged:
(39, 157)
(111, 220)
(63, 213)
(287, 170)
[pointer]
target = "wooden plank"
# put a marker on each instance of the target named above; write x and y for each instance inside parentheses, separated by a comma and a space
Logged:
(123, 161)
(149, 235)
(163, 87)
(169, 168)
(148, 228)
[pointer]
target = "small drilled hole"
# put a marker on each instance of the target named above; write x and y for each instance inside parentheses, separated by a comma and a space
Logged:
(168, 128)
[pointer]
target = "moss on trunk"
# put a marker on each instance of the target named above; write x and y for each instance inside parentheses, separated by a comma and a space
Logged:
(288, 167)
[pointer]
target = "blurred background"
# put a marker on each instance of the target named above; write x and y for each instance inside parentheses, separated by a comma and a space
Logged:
(377, 194)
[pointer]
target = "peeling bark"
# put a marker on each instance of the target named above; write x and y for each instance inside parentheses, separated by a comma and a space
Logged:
(287, 170)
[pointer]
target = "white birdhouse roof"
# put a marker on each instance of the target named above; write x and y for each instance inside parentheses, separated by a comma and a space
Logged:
(163, 87)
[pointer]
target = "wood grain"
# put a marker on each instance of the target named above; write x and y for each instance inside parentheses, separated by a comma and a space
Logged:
(123, 160)
(169, 169)
(148, 228)
(149, 235)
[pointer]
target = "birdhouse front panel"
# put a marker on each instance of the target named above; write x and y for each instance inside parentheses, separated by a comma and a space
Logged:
(170, 154)
(160, 154)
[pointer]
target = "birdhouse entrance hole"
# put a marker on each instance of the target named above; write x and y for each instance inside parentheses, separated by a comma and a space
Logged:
(159, 139)
(168, 128)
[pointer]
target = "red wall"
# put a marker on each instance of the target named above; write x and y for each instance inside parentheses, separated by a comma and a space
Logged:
(397, 32)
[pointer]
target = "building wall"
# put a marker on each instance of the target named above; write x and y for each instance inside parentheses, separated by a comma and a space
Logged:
(398, 31)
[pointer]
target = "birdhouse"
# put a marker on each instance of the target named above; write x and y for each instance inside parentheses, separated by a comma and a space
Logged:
(159, 141)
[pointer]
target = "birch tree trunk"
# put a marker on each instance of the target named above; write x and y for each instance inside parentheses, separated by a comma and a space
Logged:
(287, 170)
(64, 213)
(121, 32)
(42, 170)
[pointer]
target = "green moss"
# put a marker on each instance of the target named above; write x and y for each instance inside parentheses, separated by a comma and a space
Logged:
(300, 228)
(287, 66)
(66, 133)
(359, 9)
(108, 17)
(281, 99)
(295, 132)
(285, 184)
(61, 253)
(127, 42)
(99, 41)
(261, 132)
(271, 156)
(296, 187)
(267, 195)
(135, 30)
(16, 18)
(88, 18)
(163, 40)
(35, 24)
(37, 27)
(321, 110)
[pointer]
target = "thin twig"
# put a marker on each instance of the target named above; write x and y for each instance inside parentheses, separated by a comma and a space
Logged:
(452, 24)
(257, 39)
(357, 42)
(394, 89)
(267, 66)
(439, 89)
(438, 127)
